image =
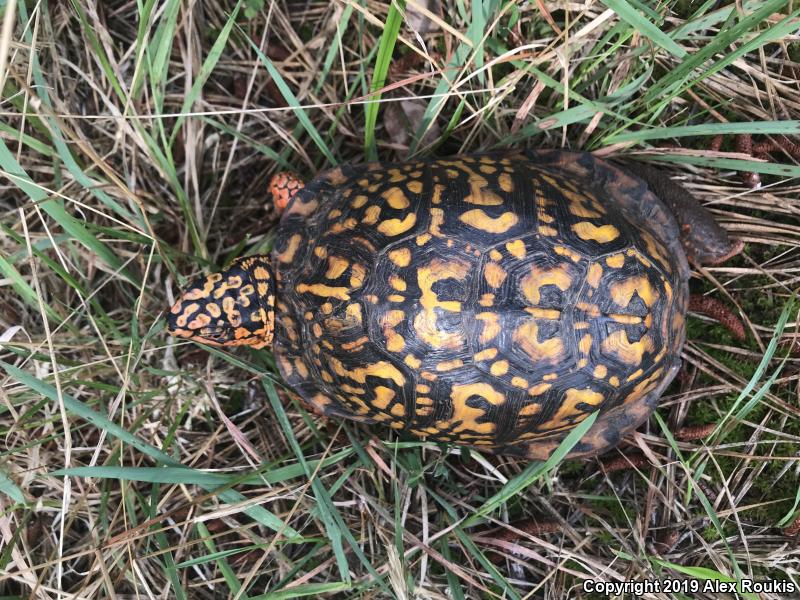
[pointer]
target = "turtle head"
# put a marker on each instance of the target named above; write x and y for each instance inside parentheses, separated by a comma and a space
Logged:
(234, 307)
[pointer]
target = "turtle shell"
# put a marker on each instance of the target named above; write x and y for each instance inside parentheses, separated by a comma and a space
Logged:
(492, 301)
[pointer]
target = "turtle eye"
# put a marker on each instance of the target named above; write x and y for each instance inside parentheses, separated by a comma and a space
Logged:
(230, 308)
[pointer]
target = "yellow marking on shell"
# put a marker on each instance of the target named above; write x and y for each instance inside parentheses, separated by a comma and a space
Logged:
(578, 205)
(319, 402)
(486, 354)
(550, 376)
(506, 183)
(383, 396)
(600, 371)
(486, 299)
(423, 411)
(397, 298)
(262, 288)
(425, 322)
(581, 325)
(325, 291)
(591, 310)
(630, 353)
(436, 197)
(516, 248)
(336, 266)
(614, 380)
(645, 386)
(480, 220)
(499, 368)
(415, 187)
(602, 234)
(371, 215)
(494, 274)
(398, 410)
(635, 375)
(352, 390)
(356, 344)
(214, 310)
(395, 175)
(412, 361)
(495, 254)
(527, 338)
(317, 329)
(372, 298)
(423, 239)
(544, 313)
(380, 369)
(539, 389)
(396, 198)
(530, 409)
(629, 319)
(546, 230)
(301, 368)
(359, 201)
(390, 320)
(357, 274)
(465, 418)
(622, 291)
(568, 413)
(449, 365)
(437, 220)
(302, 209)
(488, 169)
(594, 275)
(538, 278)
(656, 250)
(353, 313)
(393, 227)
(397, 283)
(583, 362)
(308, 315)
(334, 214)
(567, 252)
(336, 176)
(615, 261)
(585, 344)
(423, 389)
(519, 382)
(321, 252)
(491, 326)
(479, 192)
(400, 256)
(327, 308)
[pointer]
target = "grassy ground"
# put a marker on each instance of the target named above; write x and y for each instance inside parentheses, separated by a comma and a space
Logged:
(136, 139)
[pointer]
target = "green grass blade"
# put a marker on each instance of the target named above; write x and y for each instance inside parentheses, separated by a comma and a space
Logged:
(55, 209)
(382, 61)
(752, 127)
(293, 102)
(645, 27)
(533, 472)
(97, 419)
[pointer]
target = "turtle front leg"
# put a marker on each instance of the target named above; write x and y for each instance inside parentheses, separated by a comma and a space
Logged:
(283, 186)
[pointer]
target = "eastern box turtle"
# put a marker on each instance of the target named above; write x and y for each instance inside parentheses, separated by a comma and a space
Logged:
(493, 301)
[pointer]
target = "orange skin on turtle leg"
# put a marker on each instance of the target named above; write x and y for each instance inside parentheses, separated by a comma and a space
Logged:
(283, 186)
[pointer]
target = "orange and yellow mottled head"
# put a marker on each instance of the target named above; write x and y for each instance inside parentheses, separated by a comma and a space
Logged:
(234, 307)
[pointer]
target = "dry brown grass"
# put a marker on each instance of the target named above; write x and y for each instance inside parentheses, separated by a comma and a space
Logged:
(122, 177)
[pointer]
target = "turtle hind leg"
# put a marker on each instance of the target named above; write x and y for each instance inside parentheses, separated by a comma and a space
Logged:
(703, 240)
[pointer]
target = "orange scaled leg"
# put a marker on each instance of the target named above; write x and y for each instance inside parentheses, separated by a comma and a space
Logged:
(283, 186)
